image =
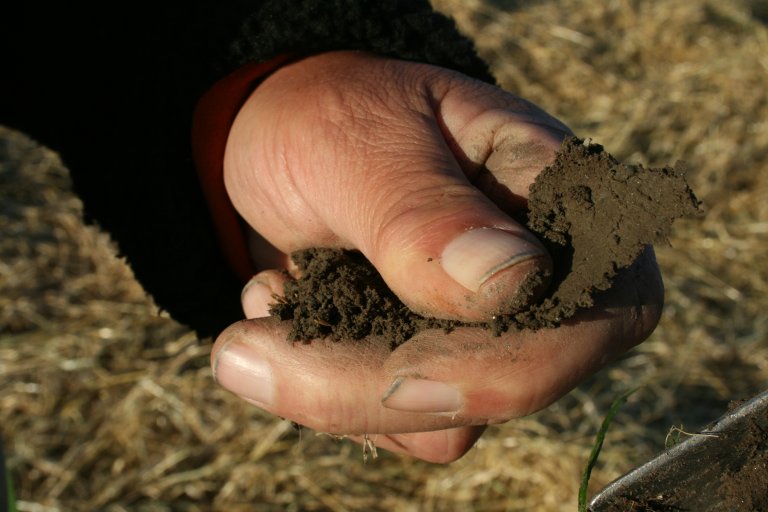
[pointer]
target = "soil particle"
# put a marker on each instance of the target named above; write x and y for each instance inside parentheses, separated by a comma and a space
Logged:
(594, 214)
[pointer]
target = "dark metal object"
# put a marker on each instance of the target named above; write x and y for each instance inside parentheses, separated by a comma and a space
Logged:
(688, 476)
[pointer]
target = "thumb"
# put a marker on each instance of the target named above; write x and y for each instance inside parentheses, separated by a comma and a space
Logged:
(400, 175)
(449, 244)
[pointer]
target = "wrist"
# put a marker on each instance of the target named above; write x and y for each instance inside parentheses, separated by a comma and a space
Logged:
(211, 123)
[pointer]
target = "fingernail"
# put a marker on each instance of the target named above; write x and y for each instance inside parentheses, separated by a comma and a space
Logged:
(241, 371)
(474, 256)
(256, 298)
(421, 395)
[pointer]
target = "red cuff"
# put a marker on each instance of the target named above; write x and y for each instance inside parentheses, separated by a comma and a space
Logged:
(214, 114)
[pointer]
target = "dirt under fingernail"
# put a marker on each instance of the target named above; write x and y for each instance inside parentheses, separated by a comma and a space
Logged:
(594, 214)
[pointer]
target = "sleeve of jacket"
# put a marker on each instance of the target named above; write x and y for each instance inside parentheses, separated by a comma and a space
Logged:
(114, 90)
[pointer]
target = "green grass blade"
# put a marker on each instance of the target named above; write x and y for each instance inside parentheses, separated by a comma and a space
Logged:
(7, 493)
(615, 406)
(10, 494)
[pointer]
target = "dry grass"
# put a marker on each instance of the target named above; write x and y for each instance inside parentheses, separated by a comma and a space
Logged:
(107, 405)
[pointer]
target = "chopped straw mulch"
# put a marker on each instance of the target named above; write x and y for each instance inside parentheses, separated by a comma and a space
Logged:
(109, 405)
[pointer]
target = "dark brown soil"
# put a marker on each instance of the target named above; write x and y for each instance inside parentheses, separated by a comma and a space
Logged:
(594, 214)
(341, 295)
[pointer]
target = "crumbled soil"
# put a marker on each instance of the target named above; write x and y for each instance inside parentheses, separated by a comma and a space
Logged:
(342, 296)
(594, 214)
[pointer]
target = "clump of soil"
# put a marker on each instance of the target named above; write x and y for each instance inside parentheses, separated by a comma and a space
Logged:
(594, 214)
(342, 296)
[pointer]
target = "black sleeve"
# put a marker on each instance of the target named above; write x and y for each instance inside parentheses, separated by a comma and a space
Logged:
(113, 89)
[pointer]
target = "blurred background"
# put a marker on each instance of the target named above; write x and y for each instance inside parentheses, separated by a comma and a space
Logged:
(107, 404)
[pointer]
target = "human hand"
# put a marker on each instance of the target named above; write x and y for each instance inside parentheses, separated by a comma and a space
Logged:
(420, 168)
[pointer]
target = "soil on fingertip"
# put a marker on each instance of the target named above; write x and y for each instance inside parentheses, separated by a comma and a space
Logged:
(594, 214)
